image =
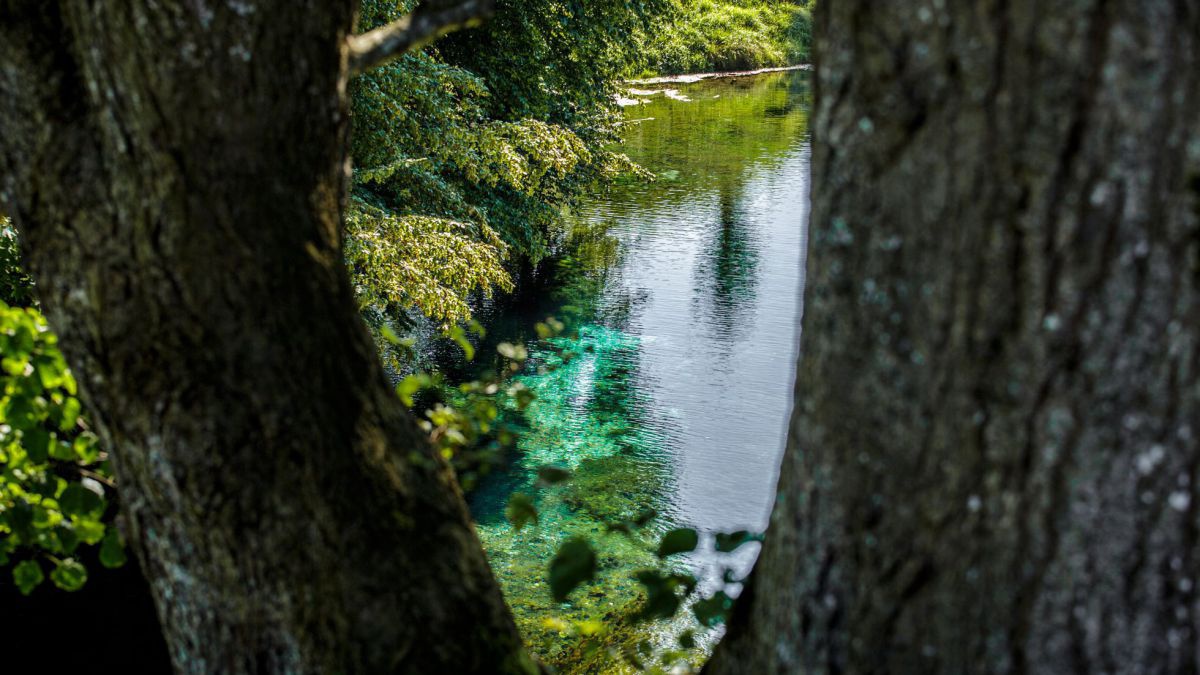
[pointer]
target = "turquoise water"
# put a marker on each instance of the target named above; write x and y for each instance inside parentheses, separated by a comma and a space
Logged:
(685, 294)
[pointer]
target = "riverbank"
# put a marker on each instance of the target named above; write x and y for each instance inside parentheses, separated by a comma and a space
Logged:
(632, 95)
(726, 35)
(697, 77)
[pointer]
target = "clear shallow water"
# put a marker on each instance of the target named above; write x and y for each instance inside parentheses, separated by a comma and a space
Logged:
(686, 296)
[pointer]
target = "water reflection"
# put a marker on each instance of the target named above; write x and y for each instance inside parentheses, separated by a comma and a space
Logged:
(686, 296)
(727, 273)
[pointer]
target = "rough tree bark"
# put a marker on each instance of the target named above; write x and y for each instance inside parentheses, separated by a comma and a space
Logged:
(993, 464)
(176, 171)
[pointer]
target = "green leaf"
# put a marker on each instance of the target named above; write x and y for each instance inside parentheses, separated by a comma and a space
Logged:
(36, 442)
(112, 552)
(714, 610)
(574, 564)
(553, 475)
(66, 539)
(50, 372)
(459, 336)
(86, 448)
(19, 414)
(727, 542)
(389, 335)
(77, 500)
(69, 575)
(683, 540)
(70, 414)
(19, 517)
(41, 517)
(409, 386)
(62, 450)
(89, 530)
(27, 575)
(521, 510)
(662, 599)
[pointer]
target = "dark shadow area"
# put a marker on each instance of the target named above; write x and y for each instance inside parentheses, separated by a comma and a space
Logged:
(108, 627)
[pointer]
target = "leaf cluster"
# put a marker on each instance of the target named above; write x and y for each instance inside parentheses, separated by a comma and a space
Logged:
(473, 424)
(54, 479)
(467, 155)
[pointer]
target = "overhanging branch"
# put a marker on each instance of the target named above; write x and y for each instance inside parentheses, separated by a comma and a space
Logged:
(429, 21)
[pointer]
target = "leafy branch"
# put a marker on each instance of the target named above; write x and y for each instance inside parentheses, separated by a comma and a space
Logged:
(431, 20)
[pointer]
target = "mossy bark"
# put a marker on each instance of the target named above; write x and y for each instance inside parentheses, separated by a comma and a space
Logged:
(995, 453)
(176, 171)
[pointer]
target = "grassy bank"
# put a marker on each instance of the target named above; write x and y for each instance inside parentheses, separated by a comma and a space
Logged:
(719, 35)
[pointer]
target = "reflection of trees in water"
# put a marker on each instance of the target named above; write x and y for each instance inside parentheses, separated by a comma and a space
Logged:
(726, 277)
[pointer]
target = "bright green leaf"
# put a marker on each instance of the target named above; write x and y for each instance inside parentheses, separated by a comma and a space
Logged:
(27, 575)
(69, 575)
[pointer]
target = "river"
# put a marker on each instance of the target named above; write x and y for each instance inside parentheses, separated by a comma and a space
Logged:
(685, 294)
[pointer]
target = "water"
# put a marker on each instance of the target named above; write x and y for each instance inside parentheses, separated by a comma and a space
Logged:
(686, 297)
(715, 258)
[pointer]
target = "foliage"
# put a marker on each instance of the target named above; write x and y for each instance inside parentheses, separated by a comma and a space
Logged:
(54, 479)
(574, 564)
(474, 424)
(557, 60)
(720, 35)
(666, 589)
(16, 288)
(428, 263)
(470, 152)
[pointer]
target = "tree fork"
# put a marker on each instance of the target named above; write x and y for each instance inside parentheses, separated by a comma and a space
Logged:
(177, 172)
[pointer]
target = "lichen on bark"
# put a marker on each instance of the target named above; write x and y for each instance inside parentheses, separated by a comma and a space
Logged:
(993, 457)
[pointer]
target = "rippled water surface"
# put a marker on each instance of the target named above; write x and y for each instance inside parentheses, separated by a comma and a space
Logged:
(714, 260)
(686, 294)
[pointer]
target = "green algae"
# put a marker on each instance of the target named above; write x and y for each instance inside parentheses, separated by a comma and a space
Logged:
(586, 418)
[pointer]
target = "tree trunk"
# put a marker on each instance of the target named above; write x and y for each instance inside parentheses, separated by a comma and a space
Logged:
(177, 172)
(994, 456)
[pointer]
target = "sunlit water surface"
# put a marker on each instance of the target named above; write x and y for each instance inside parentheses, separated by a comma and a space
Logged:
(686, 294)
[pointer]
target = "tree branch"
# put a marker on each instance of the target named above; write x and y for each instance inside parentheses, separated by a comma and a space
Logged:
(431, 20)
